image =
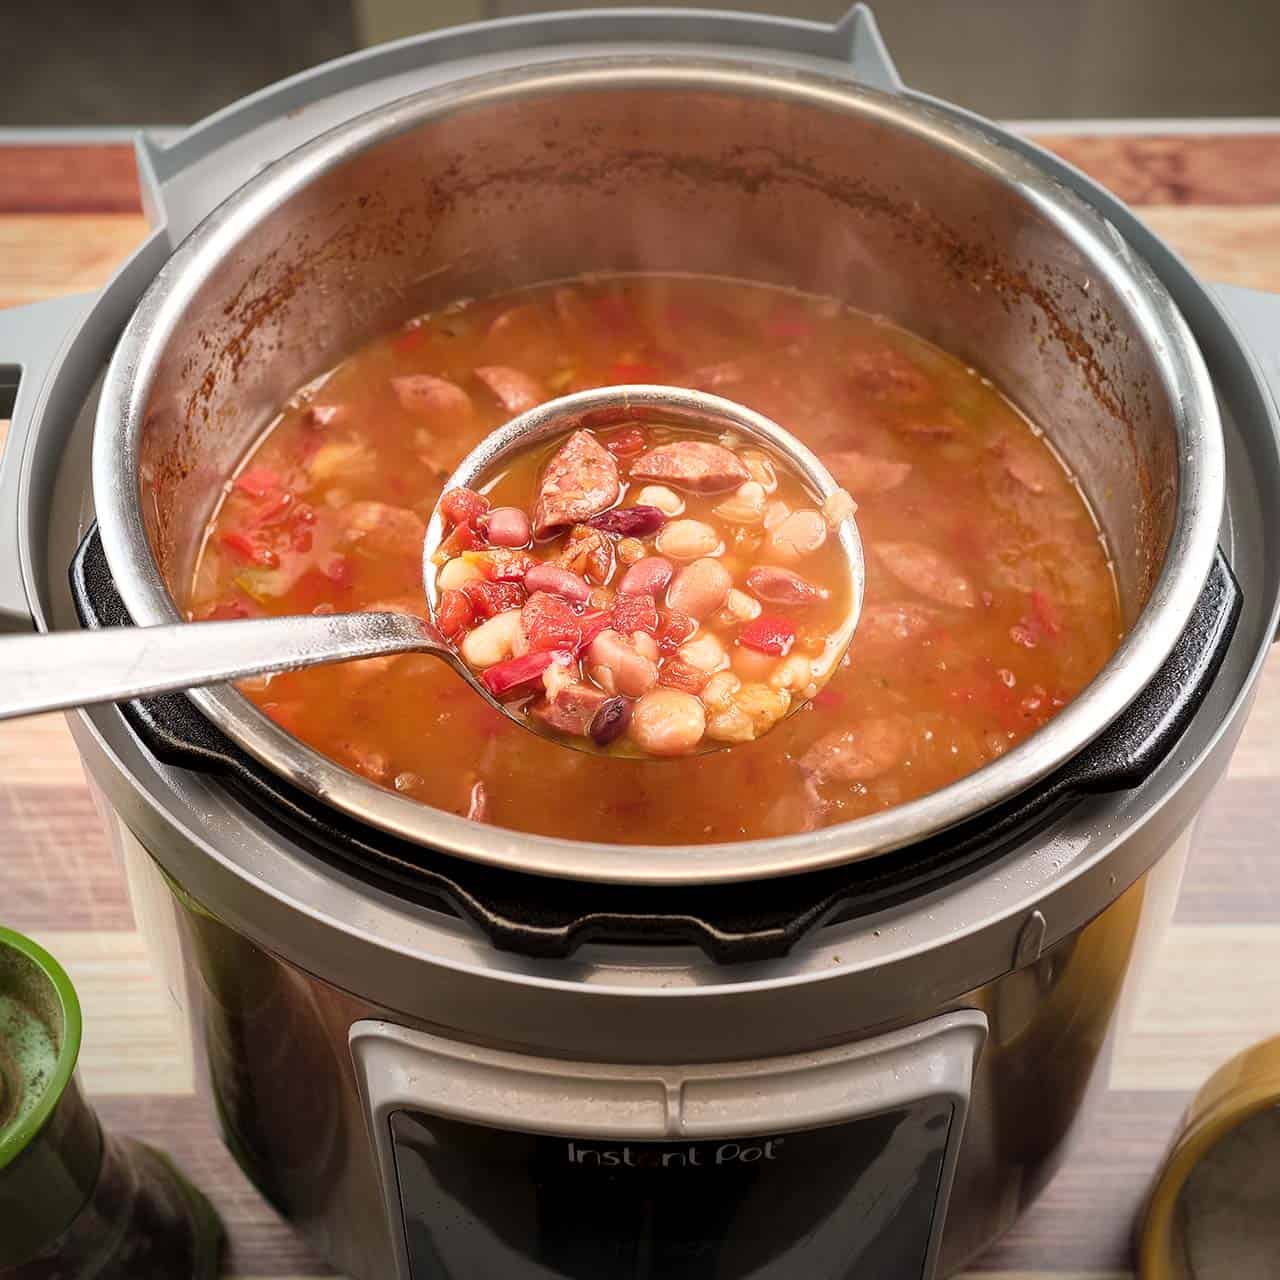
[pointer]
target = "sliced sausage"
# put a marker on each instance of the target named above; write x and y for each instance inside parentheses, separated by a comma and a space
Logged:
(895, 623)
(865, 473)
(382, 529)
(514, 389)
(884, 373)
(696, 465)
(857, 755)
(580, 482)
(571, 708)
(924, 570)
(431, 396)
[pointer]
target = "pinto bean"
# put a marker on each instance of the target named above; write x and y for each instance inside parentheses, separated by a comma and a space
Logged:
(648, 576)
(864, 473)
(924, 570)
(775, 585)
(493, 641)
(618, 665)
(557, 582)
(432, 397)
(687, 540)
(579, 482)
(695, 465)
(514, 389)
(699, 589)
(668, 722)
(508, 527)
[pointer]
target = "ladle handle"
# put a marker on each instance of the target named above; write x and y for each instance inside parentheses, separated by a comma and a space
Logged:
(82, 668)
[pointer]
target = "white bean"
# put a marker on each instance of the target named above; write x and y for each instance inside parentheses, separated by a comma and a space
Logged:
(668, 501)
(799, 535)
(745, 505)
(688, 540)
(775, 513)
(454, 573)
(718, 692)
(705, 652)
(742, 607)
(751, 664)
(493, 641)
(668, 722)
(760, 469)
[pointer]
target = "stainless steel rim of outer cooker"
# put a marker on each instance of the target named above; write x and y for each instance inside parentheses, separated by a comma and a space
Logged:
(603, 407)
(1188, 556)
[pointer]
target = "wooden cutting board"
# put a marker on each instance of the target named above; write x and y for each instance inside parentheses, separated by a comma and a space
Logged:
(68, 215)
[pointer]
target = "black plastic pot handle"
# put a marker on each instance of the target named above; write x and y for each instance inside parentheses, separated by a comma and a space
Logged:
(538, 916)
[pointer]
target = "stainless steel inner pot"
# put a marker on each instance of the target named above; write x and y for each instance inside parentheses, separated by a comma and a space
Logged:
(668, 164)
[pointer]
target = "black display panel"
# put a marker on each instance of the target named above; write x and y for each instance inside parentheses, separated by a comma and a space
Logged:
(852, 1200)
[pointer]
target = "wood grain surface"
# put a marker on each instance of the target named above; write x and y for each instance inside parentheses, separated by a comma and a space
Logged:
(68, 215)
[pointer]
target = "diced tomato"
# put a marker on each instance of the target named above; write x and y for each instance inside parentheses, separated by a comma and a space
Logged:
(454, 614)
(463, 506)
(634, 371)
(250, 552)
(226, 610)
(769, 634)
(627, 443)
(339, 570)
(592, 623)
(675, 629)
(409, 340)
(300, 539)
(488, 598)
(612, 311)
(789, 323)
(502, 564)
(271, 509)
(635, 613)
(463, 538)
(517, 674)
(1023, 634)
(1045, 614)
(258, 482)
(549, 623)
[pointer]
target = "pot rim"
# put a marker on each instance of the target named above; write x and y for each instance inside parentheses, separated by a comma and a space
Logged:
(1190, 551)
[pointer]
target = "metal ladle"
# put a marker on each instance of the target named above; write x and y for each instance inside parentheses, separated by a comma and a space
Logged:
(84, 668)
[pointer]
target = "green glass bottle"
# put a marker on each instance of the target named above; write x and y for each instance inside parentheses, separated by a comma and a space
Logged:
(76, 1202)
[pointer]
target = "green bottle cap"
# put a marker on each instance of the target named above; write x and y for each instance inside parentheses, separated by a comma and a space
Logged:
(50, 1143)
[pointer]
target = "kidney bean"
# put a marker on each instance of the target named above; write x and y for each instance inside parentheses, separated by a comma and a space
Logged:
(610, 721)
(668, 722)
(558, 582)
(517, 674)
(508, 527)
(631, 522)
(780, 586)
(646, 577)
(699, 589)
(618, 666)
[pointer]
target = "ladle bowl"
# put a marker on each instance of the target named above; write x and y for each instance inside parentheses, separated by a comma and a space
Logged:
(85, 668)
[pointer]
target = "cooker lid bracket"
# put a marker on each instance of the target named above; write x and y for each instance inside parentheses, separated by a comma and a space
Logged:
(184, 179)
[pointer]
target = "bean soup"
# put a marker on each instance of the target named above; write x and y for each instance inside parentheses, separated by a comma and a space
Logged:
(990, 600)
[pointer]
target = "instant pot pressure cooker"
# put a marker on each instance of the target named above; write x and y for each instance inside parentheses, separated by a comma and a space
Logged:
(449, 1050)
